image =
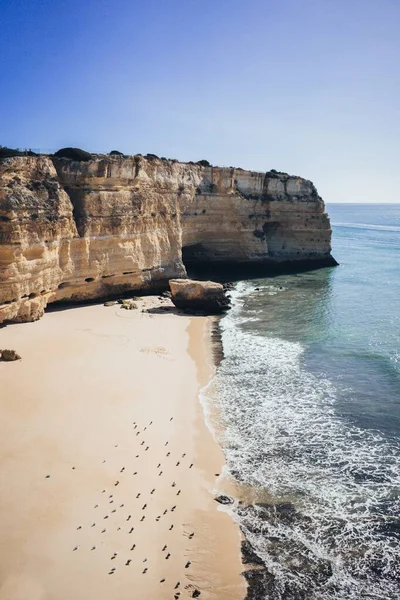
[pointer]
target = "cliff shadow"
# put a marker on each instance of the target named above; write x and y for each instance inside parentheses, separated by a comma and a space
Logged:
(199, 266)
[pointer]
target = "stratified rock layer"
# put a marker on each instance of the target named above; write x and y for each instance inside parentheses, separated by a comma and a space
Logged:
(74, 231)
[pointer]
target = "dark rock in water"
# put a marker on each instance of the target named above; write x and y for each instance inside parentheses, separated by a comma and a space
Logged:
(249, 557)
(196, 594)
(274, 539)
(224, 500)
(228, 285)
(292, 554)
(205, 296)
(284, 511)
(9, 355)
(260, 584)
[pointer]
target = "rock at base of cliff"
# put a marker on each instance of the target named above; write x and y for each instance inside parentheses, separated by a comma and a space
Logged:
(128, 305)
(206, 296)
(9, 355)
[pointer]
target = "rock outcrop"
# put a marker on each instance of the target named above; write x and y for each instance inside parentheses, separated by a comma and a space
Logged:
(9, 355)
(73, 231)
(207, 296)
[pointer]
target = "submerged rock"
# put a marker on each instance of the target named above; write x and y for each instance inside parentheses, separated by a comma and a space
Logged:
(206, 296)
(249, 556)
(9, 355)
(110, 303)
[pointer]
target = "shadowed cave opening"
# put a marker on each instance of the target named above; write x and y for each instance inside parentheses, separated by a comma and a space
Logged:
(202, 263)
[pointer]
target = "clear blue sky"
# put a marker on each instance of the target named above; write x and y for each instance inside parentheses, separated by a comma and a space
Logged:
(311, 87)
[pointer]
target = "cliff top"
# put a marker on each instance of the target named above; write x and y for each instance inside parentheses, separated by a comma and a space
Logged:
(79, 155)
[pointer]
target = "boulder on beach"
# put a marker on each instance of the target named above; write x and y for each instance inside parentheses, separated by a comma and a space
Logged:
(9, 355)
(206, 296)
(224, 499)
(128, 305)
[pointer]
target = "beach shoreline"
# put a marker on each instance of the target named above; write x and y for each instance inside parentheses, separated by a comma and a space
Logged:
(108, 399)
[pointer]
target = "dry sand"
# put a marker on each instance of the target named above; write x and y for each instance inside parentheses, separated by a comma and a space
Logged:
(103, 409)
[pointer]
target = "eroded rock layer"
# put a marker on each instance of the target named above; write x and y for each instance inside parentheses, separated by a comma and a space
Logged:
(76, 231)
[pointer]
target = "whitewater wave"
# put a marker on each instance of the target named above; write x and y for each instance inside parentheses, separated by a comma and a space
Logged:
(331, 529)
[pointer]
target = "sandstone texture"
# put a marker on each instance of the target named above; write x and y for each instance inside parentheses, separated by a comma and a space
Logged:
(74, 231)
(207, 296)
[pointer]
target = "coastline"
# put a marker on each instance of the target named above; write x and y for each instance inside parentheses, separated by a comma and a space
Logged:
(76, 420)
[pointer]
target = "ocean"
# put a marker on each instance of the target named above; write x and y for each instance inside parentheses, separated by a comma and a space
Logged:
(308, 395)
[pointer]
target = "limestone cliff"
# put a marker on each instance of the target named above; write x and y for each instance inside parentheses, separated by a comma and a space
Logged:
(75, 231)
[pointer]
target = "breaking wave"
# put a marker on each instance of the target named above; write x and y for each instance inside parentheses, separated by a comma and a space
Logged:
(330, 528)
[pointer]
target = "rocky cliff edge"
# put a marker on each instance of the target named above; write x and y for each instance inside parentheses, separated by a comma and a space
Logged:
(75, 231)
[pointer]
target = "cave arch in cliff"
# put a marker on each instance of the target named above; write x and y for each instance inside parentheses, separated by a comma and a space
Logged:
(195, 254)
(203, 262)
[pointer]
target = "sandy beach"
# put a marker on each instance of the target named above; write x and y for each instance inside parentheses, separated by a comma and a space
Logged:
(108, 470)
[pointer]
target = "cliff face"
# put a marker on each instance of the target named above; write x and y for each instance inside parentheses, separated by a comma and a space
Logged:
(76, 231)
(246, 217)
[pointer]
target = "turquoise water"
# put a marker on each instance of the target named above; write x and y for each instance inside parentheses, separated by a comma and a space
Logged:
(309, 393)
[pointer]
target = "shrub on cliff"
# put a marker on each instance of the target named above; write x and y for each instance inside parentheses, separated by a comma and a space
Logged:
(274, 174)
(73, 154)
(203, 163)
(152, 157)
(10, 152)
(116, 153)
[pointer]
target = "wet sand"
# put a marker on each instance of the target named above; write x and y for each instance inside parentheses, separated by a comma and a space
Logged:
(108, 471)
